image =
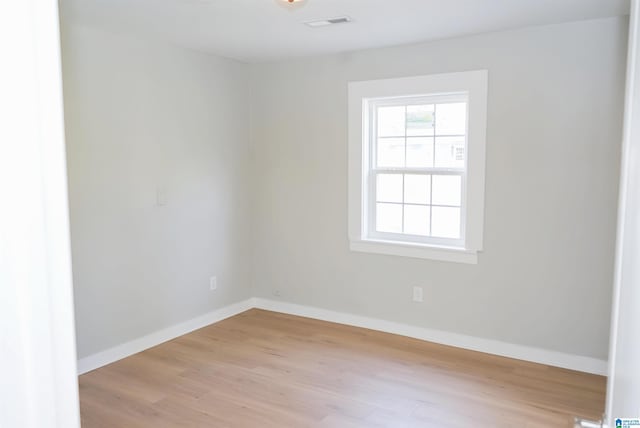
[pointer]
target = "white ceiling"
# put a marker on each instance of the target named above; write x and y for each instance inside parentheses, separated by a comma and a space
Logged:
(263, 30)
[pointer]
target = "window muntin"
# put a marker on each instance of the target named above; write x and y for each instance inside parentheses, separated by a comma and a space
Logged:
(417, 169)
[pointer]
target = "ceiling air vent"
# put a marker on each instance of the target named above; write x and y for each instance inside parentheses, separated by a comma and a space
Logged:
(329, 21)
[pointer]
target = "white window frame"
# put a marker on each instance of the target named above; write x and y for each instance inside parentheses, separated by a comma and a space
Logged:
(364, 97)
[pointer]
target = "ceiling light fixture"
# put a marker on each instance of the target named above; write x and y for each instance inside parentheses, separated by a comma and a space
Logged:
(291, 4)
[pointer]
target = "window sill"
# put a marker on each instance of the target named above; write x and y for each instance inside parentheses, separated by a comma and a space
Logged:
(419, 251)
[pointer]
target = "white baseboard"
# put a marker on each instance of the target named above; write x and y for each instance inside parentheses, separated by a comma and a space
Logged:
(119, 352)
(510, 350)
(520, 352)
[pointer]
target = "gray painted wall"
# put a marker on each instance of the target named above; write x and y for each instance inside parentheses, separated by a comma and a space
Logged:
(139, 116)
(261, 201)
(554, 131)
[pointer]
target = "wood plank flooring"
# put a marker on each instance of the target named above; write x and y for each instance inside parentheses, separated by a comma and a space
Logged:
(264, 369)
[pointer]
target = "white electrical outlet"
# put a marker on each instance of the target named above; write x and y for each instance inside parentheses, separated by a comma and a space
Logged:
(213, 283)
(418, 294)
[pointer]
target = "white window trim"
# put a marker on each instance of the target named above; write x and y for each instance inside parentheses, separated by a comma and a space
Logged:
(474, 84)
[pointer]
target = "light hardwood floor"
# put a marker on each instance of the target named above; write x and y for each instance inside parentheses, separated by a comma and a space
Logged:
(264, 369)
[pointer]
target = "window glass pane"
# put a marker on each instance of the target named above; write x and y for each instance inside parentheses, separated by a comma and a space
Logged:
(445, 222)
(447, 190)
(451, 119)
(416, 220)
(420, 120)
(417, 189)
(391, 121)
(389, 218)
(450, 152)
(390, 152)
(420, 152)
(389, 188)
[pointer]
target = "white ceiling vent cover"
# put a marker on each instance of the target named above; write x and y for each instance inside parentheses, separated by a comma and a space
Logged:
(328, 21)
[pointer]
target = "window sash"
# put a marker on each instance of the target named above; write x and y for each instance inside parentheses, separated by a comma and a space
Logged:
(373, 171)
(399, 237)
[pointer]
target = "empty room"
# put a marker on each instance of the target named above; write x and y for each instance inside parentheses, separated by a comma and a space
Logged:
(320, 213)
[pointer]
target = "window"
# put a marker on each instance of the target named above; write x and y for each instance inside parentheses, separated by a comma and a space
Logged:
(416, 165)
